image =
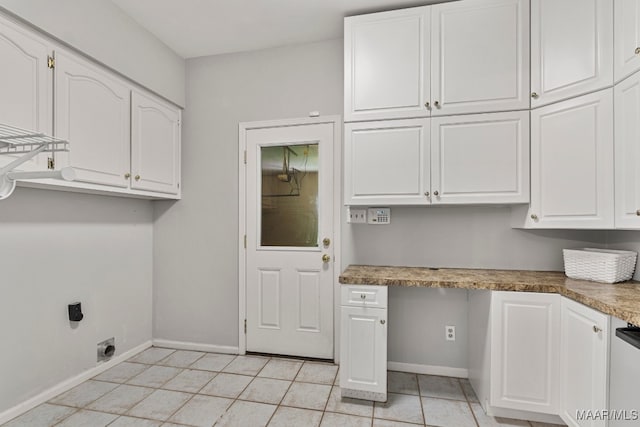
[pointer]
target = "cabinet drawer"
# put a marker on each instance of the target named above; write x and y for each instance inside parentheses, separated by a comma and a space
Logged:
(364, 295)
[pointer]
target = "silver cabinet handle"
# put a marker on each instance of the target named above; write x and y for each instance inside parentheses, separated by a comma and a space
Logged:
(596, 329)
(534, 217)
(534, 95)
(383, 321)
(363, 296)
(435, 193)
(436, 104)
(427, 105)
(637, 51)
(426, 193)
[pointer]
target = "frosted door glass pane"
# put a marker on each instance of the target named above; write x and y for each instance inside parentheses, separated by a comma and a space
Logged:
(289, 209)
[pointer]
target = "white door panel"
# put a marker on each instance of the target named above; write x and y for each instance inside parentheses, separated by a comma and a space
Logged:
(480, 56)
(571, 48)
(93, 114)
(386, 64)
(627, 38)
(289, 287)
(25, 86)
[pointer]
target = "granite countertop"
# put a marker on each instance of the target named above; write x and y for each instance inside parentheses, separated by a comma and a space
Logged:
(621, 300)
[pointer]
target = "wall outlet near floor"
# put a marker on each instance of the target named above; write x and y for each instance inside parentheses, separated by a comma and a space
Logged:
(357, 216)
(450, 333)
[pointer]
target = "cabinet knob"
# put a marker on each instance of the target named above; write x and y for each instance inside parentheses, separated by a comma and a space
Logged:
(534, 217)
(127, 175)
(137, 177)
(426, 193)
(435, 193)
(637, 51)
(427, 105)
(363, 296)
(596, 329)
(638, 212)
(382, 321)
(437, 104)
(534, 95)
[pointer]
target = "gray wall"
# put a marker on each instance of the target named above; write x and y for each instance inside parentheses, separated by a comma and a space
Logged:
(196, 239)
(57, 248)
(196, 243)
(100, 29)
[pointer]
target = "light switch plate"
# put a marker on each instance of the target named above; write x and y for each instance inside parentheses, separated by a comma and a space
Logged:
(357, 216)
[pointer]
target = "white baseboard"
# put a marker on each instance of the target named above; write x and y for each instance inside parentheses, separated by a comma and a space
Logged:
(68, 384)
(413, 368)
(183, 345)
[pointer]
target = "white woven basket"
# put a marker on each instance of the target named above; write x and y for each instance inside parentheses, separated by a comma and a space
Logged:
(600, 265)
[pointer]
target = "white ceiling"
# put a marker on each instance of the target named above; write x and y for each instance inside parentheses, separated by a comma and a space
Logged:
(208, 27)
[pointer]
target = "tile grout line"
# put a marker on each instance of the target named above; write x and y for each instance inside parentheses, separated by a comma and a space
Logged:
(424, 417)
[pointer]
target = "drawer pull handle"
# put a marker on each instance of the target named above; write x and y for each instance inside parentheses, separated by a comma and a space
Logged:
(363, 296)
(596, 329)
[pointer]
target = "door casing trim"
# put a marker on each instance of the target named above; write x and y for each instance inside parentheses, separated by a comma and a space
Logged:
(243, 127)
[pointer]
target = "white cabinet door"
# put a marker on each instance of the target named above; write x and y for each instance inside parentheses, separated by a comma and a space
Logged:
(572, 163)
(25, 86)
(480, 56)
(584, 363)
(626, 38)
(363, 353)
(571, 48)
(480, 158)
(387, 162)
(386, 58)
(525, 348)
(627, 152)
(155, 144)
(93, 114)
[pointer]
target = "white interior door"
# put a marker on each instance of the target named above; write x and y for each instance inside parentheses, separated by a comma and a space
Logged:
(289, 226)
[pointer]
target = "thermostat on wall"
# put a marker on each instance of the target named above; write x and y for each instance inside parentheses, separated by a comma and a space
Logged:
(378, 216)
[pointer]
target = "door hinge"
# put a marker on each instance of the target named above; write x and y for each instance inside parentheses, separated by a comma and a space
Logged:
(51, 62)
(245, 157)
(245, 326)
(245, 241)
(51, 163)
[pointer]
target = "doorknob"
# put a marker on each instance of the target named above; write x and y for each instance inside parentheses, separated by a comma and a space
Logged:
(326, 258)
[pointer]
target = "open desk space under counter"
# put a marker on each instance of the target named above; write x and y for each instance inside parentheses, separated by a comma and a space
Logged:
(538, 342)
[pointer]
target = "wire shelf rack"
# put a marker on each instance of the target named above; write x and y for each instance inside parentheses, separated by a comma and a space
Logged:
(14, 140)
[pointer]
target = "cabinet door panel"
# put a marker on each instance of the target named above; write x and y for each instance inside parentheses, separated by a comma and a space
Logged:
(525, 366)
(571, 48)
(93, 114)
(386, 60)
(155, 145)
(572, 163)
(627, 152)
(627, 38)
(480, 56)
(387, 162)
(584, 363)
(481, 158)
(363, 352)
(25, 85)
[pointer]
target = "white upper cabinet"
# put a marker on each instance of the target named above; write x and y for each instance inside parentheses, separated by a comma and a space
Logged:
(386, 64)
(93, 114)
(584, 363)
(387, 162)
(480, 158)
(155, 144)
(627, 152)
(479, 56)
(627, 38)
(25, 85)
(572, 163)
(470, 56)
(472, 159)
(571, 48)
(525, 351)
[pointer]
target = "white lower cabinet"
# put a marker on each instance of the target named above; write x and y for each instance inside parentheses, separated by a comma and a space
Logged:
(363, 342)
(525, 351)
(584, 364)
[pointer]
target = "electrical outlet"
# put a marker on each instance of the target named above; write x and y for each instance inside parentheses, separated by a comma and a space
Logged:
(357, 216)
(450, 333)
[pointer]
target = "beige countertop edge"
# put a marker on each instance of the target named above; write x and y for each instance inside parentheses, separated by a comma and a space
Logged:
(611, 308)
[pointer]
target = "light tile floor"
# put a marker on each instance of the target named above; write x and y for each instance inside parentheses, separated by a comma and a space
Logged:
(163, 387)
